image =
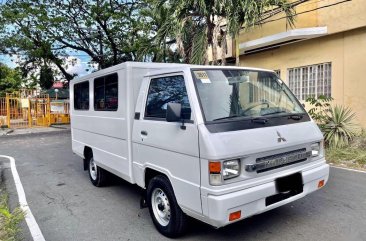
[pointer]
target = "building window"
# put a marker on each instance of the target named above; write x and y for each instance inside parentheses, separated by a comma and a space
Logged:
(163, 91)
(311, 81)
(278, 72)
(81, 96)
(106, 93)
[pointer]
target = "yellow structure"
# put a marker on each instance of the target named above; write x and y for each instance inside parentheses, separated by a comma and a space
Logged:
(324, 52)
(23, 110)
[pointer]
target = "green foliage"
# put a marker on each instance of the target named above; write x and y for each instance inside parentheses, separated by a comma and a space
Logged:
(115, 31)
(9, 221)
(46, 78)
(336, 122)
(196, 25)
(10, 80)
(109, 32)
(339, 128)
(353, 155)
(320, 108)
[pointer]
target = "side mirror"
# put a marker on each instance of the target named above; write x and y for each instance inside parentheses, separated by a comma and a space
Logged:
(173, 112)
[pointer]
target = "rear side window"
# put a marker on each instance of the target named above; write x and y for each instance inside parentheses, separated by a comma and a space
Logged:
(106, 93)
(81, 96)
(164, 90)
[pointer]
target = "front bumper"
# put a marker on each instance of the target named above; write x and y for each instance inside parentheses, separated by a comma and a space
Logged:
(252, 200)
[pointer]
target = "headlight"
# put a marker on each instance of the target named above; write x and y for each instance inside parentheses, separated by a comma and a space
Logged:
(230, 169)
(315, 149)
(220, 171)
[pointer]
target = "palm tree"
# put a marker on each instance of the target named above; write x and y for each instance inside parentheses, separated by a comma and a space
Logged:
(197, 24)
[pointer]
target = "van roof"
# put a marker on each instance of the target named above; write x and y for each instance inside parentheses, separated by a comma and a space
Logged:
(159, 65)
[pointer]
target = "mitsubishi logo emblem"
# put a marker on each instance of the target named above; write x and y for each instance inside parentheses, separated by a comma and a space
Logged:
(280, 138)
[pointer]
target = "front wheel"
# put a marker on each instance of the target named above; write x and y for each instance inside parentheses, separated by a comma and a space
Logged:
(165, 212)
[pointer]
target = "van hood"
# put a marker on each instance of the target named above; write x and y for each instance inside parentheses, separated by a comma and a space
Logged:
(236, 144)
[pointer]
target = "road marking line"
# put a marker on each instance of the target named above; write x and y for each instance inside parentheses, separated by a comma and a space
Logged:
(349, 169)
(29, 218)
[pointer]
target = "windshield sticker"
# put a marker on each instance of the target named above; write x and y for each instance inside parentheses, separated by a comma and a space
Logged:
(202, 75)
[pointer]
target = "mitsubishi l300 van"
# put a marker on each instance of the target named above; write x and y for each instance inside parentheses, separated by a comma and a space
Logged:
(219, 144)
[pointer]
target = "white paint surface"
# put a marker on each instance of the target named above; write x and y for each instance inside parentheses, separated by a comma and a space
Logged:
(29, 218)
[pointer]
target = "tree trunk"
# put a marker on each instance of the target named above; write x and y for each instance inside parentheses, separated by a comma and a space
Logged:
(223, 48)
(214, 45)
(214, 52)
(237, 51)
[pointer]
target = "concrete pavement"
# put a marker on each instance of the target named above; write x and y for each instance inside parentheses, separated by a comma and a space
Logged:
(34, 130)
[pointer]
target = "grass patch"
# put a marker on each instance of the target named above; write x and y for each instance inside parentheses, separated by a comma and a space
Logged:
(9, 220)
(353, 156)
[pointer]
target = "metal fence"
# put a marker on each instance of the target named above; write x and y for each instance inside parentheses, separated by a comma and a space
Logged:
(19, 110)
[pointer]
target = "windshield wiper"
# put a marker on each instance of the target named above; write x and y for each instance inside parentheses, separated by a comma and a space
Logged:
(274, 112)
(260, 120)
(227, 117)
(295, 116)
(290, 115)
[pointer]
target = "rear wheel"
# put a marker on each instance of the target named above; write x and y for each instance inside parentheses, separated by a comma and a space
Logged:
(165, 212)
(97, 175)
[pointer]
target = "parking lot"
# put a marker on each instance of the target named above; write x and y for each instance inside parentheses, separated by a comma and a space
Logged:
(68, 207)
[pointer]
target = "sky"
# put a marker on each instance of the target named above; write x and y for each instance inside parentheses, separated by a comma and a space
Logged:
(80, 67)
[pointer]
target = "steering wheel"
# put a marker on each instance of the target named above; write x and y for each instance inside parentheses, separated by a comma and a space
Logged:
(256, 105)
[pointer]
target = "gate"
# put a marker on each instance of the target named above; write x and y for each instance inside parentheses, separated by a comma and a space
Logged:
(19, 111)
(59, 111)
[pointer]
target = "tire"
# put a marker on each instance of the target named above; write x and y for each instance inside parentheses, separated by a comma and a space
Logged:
(165, 212)
(97, 175)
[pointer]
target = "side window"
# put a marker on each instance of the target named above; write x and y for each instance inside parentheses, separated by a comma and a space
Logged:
(106, 93)
(164, 90)
(81, 96)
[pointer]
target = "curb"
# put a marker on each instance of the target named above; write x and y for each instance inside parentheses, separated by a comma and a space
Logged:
(60, 127)
(39, 133)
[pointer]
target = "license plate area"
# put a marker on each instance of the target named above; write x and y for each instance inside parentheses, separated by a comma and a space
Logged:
(286, 187)
(289, 183)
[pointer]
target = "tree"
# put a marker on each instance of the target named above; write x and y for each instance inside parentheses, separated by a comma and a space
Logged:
(10, 80)
(46, 77)
(197, 24)
(108, 31)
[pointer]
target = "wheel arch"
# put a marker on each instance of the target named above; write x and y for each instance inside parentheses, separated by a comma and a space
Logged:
(150, 173)
(88, 152)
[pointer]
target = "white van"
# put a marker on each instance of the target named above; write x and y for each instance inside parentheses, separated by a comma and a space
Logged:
(219, 144)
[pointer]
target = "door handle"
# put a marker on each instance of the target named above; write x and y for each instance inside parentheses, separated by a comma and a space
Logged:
(144, 133)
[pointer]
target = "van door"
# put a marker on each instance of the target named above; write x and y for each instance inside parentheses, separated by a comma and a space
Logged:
(165, 146)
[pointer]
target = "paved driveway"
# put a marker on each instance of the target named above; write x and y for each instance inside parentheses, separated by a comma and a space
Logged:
(68, 207)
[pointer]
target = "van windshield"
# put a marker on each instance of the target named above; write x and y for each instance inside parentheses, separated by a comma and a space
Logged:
(234, 94)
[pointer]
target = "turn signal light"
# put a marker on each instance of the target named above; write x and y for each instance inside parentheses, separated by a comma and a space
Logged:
(234, 216)
(215, 167)
(321, 184)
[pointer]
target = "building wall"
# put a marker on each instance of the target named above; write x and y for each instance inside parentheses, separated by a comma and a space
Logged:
(345, 50)
(338, 18)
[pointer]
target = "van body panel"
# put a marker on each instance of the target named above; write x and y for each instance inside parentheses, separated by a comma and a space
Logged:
(108, 133)
(168, 149)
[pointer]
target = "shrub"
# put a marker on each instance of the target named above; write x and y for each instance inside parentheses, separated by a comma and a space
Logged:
(9, 221)
(339, 129)
(320, 107)
(336, 122)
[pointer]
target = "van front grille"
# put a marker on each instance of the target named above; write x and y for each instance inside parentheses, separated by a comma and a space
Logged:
(271, 162)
